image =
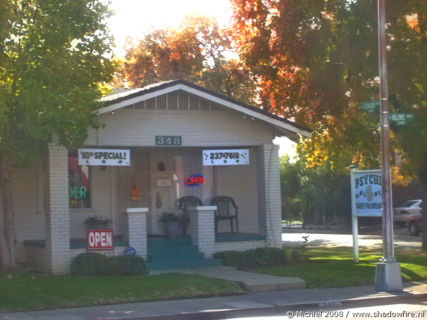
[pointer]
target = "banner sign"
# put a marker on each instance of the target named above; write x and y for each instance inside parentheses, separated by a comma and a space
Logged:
(229, 157)
(104, 157)
(366, 193)
(100, 239)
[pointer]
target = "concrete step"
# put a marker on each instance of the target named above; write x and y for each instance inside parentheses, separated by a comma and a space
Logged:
(189, 263)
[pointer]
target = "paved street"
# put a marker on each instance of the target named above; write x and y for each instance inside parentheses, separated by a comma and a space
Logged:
(413, 310)
(402, 240)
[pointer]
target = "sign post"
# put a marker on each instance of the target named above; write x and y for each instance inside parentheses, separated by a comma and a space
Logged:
(366, 200)
(387, 273)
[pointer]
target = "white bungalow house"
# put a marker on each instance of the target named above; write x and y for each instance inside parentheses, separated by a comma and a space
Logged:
(164, 141)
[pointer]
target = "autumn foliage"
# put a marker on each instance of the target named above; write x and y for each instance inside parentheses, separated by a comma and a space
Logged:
(198, 51)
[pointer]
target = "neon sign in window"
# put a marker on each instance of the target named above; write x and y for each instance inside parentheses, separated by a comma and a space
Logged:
(195, 180)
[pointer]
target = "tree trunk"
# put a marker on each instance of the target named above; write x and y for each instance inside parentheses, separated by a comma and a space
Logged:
(424, 228)
(7, 220)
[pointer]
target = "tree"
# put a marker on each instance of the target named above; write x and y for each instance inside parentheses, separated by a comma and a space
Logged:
(316, 61)
(198, 51)
(53, 58)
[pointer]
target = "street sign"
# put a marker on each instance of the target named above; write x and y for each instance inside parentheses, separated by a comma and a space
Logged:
(370, 107)
(401, 119)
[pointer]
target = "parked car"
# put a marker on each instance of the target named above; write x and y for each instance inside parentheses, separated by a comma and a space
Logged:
(406, 211)
(415, 226)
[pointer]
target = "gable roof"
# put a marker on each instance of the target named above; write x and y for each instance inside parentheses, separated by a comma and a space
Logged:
(124, 99)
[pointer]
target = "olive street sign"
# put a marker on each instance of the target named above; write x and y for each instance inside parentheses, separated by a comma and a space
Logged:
(401, 119)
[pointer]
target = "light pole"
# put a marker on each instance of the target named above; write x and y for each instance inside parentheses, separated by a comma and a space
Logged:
(387, 274)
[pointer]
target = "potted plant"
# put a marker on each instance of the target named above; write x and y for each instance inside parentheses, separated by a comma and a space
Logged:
(171, 223)
(96, 222)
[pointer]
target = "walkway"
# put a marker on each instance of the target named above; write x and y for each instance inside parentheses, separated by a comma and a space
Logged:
(254, 282)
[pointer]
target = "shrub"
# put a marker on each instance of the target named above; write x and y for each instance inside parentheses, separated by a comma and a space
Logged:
(253, 257)
(128, 265)
(98, 264)
(297, 255)
(89, 264)
(271, 256)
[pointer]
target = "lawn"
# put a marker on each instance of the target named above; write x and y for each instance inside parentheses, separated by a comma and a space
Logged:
(334, 267)
(32, 291)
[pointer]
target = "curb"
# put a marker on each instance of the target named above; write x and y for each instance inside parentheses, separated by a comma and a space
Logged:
(286, 309)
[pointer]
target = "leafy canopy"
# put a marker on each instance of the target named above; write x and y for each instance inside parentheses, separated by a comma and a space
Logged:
(316, 61)
(198, 51)
(53, 58)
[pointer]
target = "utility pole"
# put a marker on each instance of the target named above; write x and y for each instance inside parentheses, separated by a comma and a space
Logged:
(387, 274)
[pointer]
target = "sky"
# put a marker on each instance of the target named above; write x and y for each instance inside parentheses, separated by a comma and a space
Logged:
(135, 18)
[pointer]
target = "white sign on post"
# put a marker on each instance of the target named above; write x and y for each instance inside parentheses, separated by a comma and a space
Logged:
(366, 200)
(230, 157)
(366, 193)
(104, 157)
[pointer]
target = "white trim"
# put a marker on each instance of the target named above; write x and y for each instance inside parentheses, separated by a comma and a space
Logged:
(136, 210)
(140, 98)
(207, 96)
(206, 208)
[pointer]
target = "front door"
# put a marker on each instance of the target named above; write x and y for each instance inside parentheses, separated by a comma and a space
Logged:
(160, 186)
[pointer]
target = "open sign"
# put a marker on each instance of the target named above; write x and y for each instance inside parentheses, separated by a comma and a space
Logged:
(100, 239)
(195, 180)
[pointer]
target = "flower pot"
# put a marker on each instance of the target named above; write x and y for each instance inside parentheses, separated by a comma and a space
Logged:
(172, 228)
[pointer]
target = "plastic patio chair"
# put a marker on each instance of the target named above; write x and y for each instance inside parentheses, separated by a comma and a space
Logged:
(184, 203)
(226, 210)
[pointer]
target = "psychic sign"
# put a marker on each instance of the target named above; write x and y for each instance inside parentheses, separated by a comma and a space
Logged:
(104, 157)
(229, 157)
(366, 193)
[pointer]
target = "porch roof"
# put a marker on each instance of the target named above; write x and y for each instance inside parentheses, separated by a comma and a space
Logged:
(283, 126)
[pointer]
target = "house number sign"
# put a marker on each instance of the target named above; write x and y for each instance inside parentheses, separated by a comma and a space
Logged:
(168, 140)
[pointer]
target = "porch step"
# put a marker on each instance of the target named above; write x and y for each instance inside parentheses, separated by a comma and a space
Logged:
(171, 253)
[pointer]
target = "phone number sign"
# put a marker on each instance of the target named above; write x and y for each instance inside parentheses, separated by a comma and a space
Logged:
(229, 157)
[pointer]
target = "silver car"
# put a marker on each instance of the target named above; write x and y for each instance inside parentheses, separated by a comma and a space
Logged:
(407, 211)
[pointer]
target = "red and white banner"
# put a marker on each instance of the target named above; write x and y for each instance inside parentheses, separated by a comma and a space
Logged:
(100, 239)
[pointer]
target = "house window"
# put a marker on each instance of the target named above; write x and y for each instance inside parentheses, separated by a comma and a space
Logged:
(78, 183)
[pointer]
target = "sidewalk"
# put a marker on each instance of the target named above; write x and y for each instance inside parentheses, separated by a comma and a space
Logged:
(223, 307)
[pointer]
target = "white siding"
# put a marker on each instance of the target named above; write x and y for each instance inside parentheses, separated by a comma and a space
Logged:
(29, 221)
(240, 183)
(134, 127)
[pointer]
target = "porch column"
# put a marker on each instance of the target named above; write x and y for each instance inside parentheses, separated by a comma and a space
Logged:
(137, 222)
(268, 174)
(203, 230)
(57, 217)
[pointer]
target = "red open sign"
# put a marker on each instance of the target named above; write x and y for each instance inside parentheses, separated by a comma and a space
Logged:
(195, 180)
(100, 239)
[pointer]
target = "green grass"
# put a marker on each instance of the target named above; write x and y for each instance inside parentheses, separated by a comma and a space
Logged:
(32, 291)
(334, 267)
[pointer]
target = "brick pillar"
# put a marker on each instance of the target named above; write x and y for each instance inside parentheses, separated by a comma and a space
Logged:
(268, 176)
(57, 218)
(203, 229)
(137, 223)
